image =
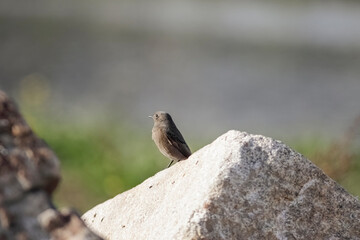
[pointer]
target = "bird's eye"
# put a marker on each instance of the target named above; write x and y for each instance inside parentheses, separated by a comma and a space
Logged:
(156, 115)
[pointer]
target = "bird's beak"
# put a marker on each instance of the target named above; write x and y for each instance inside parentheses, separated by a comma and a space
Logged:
(150, 116)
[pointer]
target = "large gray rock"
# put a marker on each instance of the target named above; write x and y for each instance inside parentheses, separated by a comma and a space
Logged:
(241, 186)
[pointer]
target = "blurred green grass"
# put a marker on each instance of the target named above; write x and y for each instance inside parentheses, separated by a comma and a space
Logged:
(101, 160)
(98, 162)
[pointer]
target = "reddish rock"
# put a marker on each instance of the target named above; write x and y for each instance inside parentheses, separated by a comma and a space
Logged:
(29, 173)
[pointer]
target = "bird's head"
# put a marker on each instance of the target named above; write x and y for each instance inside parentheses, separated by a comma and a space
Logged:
(161, 117)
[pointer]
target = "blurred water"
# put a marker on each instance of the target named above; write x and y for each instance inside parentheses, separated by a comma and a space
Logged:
(268, 68)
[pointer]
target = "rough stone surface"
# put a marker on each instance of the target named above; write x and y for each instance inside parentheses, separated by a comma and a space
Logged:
(241, 186)
(65, 225)
(29, 173)
(26, 162)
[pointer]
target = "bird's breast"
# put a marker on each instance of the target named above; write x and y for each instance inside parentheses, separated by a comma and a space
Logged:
(161, 141)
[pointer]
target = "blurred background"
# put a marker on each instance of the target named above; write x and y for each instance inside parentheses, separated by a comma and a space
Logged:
(86, 74)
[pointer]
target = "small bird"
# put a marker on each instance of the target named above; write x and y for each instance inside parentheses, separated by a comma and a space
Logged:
(168, 138)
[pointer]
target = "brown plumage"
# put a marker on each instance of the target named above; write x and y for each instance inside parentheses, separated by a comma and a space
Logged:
(168, 138)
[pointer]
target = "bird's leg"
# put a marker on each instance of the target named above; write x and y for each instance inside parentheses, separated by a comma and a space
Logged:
(170, 163)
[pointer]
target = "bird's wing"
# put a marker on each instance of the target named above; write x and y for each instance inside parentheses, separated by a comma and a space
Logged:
(178, 142)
